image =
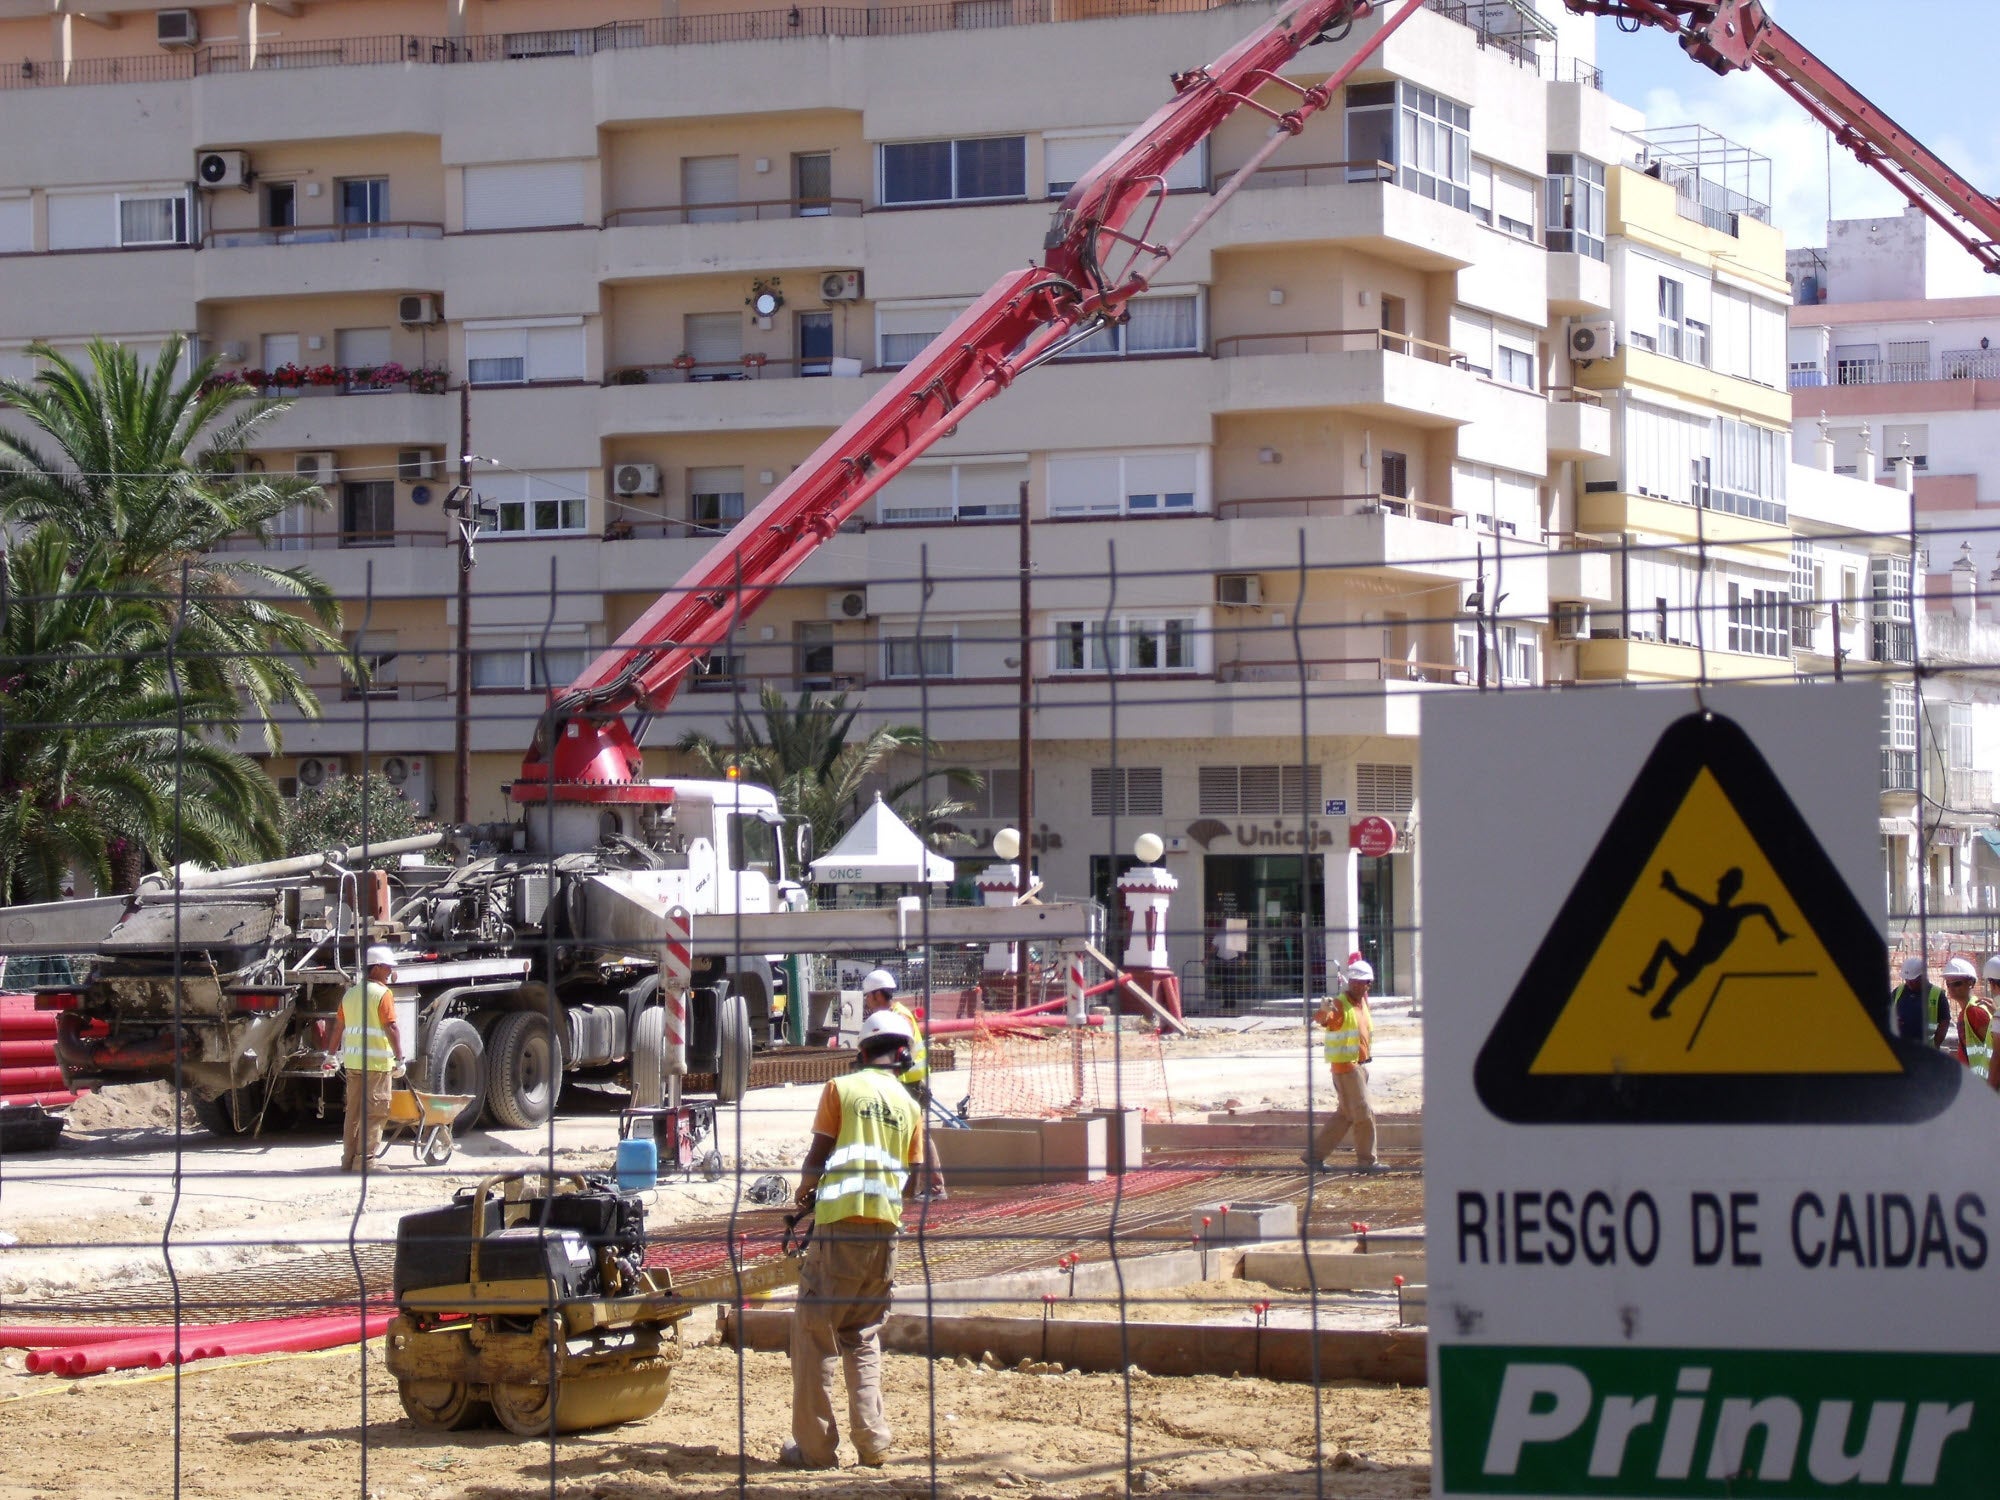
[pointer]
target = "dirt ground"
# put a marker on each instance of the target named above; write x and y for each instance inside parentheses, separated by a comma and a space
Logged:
(290, 1426)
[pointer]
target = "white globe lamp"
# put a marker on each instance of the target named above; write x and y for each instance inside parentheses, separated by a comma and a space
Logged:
(1007, 843)
(1149, 847)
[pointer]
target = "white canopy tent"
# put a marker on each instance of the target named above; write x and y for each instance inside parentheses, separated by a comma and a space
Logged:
(881, 849)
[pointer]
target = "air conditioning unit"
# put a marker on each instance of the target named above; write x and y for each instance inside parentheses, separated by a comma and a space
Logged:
(847, 604)
(1245, 589)
(635, 479)
(416, 309)
(410, 776)
(1597, 339)
(222, 169)
(317, 467)
(315, 771)
(176, 28)
(840, 286)
(417, 465)
(1572, 622)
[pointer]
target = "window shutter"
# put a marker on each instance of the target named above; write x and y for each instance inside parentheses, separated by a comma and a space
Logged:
(709, 179)
(522, 195)
(921, 492)
(1514, 197)
(1162, 474)
(715, 338)
(1385, 790)
(1215, 791)
(1472, 336)
(17, 225)
(1066, 158)
(82, 221)
(361, 348)
(990, 489)
(904, 331)
(1084, 486)
(555, 354)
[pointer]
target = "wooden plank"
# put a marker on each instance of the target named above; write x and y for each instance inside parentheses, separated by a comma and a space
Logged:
(1164, 1016)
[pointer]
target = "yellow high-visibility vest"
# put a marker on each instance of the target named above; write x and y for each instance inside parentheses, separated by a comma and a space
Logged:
(1978, 1049)
(364, 1041)
(1343, 1041)
(864, 1176)
(920, 1055)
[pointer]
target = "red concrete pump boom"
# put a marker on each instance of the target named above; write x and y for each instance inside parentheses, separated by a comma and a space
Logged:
(584, 752)
(1732, 35)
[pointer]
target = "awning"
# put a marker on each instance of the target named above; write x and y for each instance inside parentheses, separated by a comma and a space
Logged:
(881, 847)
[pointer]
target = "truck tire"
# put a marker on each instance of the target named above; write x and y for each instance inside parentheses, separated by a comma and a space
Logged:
(523, 1069)
(732, 1065)
(649, 1059)
(454, 1062)
(218, 1118)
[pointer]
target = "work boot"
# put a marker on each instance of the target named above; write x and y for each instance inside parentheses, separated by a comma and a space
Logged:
(870, 1460)
(789, 1457)
(1373, 1169)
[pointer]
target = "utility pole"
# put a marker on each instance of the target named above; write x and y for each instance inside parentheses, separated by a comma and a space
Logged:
(1026, 775)
(462, 657)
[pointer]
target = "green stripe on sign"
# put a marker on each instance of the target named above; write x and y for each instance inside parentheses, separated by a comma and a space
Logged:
(1726, 1422)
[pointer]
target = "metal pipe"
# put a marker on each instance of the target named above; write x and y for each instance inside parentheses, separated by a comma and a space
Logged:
(297, 864)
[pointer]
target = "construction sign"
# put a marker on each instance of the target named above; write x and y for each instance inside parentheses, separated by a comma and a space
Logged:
(1698, 1224)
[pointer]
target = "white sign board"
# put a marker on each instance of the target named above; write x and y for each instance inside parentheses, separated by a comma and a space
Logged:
(1697, 1224)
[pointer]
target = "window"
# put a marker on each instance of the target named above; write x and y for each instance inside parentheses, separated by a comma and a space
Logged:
(1908, 359)
(715, 496)
(1576, 205)
(753, 846)
(955, 171)
(1517, 366)
(524, 352)
(1750, 468)
(1066, 157)
(1146, 483)
(524, 195)
(1672, 298)
(1806, 590)
(1899, 738)
(368, 513)
(918, 656)
(1257, 791)
(1128, 643)
(537, 504)
(152, 219)
(1127, 792)
(1758, 621)
(987, 489)
(1396, 474)
(360, 348)
(281, 201)
(718, 672)
(998, 797)
(1504, 199)
(374, 652)
(17, 223)
(363, 200)
(812, 184)
(1857, 364)
(1519, 649)
(1747, 338)
(902, 333)
(1385, 790)
(710, 189)
(814, 642)
(1958, 736)
(815, 343)
(1889, 609)
(715, 340)
(1426, 138)
(1153, 325)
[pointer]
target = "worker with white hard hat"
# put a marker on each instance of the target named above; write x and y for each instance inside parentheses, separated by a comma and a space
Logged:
(1350, 1035)
(866, 1136)
(1975, 1024)
(1917, 1009)
(878, 994)
(371, 1050)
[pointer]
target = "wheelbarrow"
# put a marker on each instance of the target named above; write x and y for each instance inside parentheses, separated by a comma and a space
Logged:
(425, 1119)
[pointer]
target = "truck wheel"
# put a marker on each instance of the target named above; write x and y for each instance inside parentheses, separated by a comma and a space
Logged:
(218, 1118)
(732, 1064)
(454, 1062)
(649, 1059)
(524, 1066)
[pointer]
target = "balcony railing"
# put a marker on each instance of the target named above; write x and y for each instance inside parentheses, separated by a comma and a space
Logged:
(1961, 364)
(322, 234)
(1319, 174)
(1340, 505)
(1344, 669)
(747, 211)
(1339, 341)
(292, 381)
(396, 692)
(310, 541)
(688, 371)
(1581, 395)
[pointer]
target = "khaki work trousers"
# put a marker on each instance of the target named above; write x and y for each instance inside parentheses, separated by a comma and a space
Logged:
(1353, 1112)
(367, 1112)
(844, 1291)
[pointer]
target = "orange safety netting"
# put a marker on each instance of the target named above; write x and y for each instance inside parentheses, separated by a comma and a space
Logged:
(1062, 1070)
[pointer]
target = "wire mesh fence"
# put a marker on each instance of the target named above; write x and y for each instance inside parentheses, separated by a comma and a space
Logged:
(1114, 1274)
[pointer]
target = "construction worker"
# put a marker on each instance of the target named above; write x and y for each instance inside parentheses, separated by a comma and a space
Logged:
(866, 1136)
(371, 1047)
(1349, 1045)
(1916, 1008)
(1975, 1026)
(878, 994)
(1959, 978)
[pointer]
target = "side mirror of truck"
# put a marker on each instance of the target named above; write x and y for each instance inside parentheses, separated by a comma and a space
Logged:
(802, 845)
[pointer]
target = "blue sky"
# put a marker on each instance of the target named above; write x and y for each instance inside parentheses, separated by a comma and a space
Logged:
(1932, 65)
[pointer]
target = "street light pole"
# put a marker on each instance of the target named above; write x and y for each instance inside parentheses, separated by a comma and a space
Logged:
(462, 655)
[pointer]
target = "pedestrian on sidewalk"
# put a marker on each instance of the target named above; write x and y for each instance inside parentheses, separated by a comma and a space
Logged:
(1349, 1045)
(371, 1049)
(866, 1138)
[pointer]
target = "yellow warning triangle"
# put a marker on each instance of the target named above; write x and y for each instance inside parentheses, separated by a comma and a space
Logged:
(1710, 966)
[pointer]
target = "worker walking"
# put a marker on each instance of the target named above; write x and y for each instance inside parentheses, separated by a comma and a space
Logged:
(1975, 1026)
(1350, 1032)
(1916, 1008)
(866, 1136)
(878, 994)
(371, 1048)
(1959, 978)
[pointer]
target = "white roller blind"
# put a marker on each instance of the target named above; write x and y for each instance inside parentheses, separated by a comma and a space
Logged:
(1472, 336)
(359, 347)
(1165, 475)
(922, 492)
(1769, 333)
(715, 337)
(1514, 197)
(1084, 486)
(17, 225)
(902, 332)
(522, 195)
(991, 489)
(82, 221)
(709, 179)
(1729, 337)
(555, 354)
(1065, 158)
(280, 349)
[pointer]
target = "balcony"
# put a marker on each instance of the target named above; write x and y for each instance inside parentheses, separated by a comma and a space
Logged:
(1632, 660)
(732, 400)
(1609, 513)
(1369, 371)
(778, 234)
(1368, 531)
(688, 370)
(355, 416)
(330, 258)
(1579, 424)
(1352, 203)
(321, 234)
(1579, 285)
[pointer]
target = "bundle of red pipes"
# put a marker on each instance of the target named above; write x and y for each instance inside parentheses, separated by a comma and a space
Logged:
(69, 1349)
(28, 1071)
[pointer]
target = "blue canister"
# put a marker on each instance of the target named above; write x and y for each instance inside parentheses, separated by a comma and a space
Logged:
(638, 1165)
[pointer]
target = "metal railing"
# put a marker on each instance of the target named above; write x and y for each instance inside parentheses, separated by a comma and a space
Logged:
(689, 371)
(1339, 505)
(1339, 341)
(322, 234)
(749, 210)
(1345, 669)
(1317, 174)
(1953, 364)
(1580, 395)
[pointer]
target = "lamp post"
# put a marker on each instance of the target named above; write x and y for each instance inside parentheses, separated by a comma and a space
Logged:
(462, 505)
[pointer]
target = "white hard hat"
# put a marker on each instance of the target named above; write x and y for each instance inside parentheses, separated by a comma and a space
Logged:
(1913, 967)
(378, 956)
(878, 979)
(883, 1029)
(1993, 967)
(1958, 968)
(1361, 969)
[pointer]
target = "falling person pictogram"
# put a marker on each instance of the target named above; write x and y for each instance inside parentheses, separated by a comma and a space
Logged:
(1720, 924)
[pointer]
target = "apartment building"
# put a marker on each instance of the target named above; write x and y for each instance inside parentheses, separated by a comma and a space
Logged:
(659, 282)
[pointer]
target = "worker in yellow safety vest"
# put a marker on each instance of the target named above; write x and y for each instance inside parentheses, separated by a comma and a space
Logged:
(878, 994)
(1917, 1008)
(1350, 1036)
(1975, 1027)
(866, 1136)
(371, 1049)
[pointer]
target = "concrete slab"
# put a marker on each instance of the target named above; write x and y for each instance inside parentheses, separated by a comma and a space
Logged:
(1393, 1138)
(990, 1157)
(1332, 1270)
(1124, 1138)
(1073, 1150)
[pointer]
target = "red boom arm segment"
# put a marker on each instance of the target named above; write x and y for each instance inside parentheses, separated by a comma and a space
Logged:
(1731, 35)
(584, 751)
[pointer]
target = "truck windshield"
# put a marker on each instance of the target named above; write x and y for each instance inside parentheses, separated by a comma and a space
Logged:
(753, 846)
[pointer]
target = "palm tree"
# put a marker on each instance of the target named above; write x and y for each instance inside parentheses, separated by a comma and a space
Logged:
(103, 763)
(802, 752)
(138, 472)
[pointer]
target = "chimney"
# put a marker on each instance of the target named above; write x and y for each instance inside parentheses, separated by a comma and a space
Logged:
(1823, 446)
(1906, 470)
(1865, 468)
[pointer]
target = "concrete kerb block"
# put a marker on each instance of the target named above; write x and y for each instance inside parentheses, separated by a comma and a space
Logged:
(1124, 1140)
(1074, 1150)
(989, 1156)
(1249, 1222)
